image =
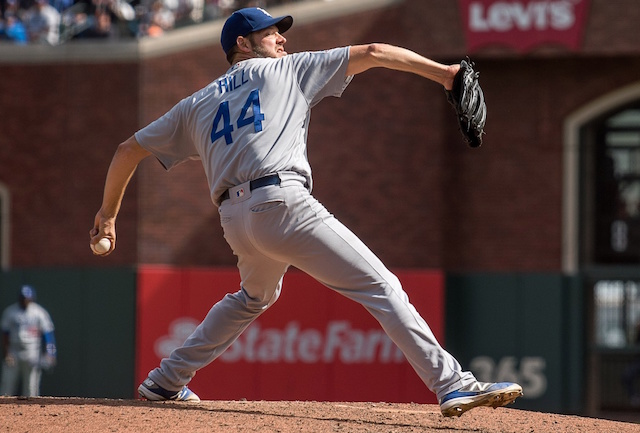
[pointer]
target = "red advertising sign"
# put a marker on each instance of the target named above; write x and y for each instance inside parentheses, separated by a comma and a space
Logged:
(313, 344)
(524, 24)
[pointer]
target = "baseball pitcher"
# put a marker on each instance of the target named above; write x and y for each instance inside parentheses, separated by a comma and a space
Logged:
(249, 128)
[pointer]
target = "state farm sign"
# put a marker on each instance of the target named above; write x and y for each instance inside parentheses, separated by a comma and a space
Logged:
(523, 24)
(313, 344)
(339, 341)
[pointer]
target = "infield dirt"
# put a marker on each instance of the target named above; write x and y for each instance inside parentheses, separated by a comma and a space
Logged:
(76, 415)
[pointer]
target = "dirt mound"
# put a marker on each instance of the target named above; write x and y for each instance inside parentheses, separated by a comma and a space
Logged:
(58, 415)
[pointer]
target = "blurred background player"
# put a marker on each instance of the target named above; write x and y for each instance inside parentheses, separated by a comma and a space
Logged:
(25, 325)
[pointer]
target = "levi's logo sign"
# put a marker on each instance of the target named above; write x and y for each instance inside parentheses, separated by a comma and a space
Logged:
(523, 24)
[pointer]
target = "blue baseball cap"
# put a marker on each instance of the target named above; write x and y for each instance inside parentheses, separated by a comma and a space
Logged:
(27, 292)
(249, 20)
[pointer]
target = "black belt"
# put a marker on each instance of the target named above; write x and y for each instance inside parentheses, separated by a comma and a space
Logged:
(272, 179)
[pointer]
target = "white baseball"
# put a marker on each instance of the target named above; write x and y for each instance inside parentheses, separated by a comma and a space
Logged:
(103, 246)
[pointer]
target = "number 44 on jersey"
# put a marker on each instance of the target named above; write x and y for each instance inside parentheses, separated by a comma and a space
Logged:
(250, 115)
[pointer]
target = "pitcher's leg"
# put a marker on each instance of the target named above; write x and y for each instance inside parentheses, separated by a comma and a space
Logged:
(222, 325)
(261, 283)
(328, 251)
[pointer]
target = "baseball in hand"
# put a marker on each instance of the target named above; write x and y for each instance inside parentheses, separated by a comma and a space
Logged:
(103, 246)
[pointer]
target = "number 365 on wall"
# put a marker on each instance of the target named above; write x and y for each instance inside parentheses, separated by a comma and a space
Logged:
(529, 373)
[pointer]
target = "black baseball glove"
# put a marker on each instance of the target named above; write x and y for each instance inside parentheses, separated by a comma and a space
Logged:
(467, 100)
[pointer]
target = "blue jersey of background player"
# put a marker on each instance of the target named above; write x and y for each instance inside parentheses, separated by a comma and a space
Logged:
(249, 128)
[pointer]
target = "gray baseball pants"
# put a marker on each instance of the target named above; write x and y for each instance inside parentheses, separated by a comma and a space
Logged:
(25, 370)
(274, 227)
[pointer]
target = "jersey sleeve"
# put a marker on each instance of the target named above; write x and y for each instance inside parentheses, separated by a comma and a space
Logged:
(322, 73)
(167, 137)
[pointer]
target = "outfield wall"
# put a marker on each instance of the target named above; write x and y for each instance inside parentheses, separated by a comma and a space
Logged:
(312, 344)
(114, 325)
(94, 315)
(522, 327)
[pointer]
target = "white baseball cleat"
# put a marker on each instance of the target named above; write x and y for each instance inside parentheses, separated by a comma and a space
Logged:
(479, 394)
(151, 391)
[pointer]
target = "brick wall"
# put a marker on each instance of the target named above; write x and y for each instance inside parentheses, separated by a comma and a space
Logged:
(387, 158)
(60, 125)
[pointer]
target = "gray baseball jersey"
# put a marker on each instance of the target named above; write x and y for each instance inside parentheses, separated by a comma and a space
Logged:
(25, 328)
(250, 122)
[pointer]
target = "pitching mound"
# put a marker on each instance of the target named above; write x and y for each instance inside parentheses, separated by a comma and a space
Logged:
(58, 415)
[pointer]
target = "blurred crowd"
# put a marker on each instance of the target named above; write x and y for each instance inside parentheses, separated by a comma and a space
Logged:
(53, 22)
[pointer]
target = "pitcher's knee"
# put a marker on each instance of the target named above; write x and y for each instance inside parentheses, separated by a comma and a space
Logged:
(258, 303)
